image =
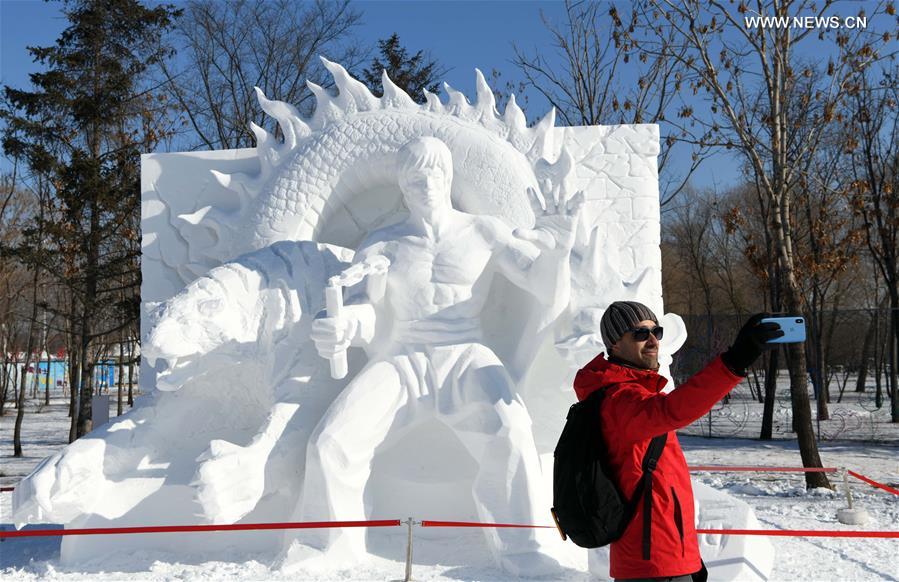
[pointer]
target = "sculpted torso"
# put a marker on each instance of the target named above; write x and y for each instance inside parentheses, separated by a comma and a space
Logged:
(442, 261)
(442, 274)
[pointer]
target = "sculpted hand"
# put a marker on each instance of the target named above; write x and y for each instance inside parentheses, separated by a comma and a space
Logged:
(333, 335)
(556, 223)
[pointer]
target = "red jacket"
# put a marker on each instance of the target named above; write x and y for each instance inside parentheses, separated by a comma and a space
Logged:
(634, 411)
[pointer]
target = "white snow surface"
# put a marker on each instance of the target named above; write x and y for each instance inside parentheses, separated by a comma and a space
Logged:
(780, 501)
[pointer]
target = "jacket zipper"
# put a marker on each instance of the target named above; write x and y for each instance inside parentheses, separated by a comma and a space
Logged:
(678, 520)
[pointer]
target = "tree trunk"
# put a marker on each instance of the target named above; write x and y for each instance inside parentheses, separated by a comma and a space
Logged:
(85, 421)
(29, 348)
(866, 355)
(815, 345)
(47, 380)
(15, 382)
(130, 373)
(74, 391)
(20, 412)
(893, 343)
(85, 397)
(4, 388)
(120, 379)
(770, 395)
(802, 414)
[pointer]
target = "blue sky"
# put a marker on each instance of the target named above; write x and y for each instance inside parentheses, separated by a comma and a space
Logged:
(462, 35)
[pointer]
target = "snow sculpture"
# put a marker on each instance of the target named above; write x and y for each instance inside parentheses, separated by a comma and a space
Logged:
(433, 363)
(474, 277)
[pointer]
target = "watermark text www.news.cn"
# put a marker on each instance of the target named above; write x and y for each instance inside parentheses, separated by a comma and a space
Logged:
(805, 22)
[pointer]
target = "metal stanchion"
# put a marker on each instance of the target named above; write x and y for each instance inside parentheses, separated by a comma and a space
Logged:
(846, 485)
(851, 515)
(409, 523)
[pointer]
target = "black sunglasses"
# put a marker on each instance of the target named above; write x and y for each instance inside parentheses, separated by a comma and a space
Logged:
(641, 334)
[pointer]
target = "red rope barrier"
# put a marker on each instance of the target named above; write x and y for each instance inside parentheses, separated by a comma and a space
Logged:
(802, 533)
(874, 483)
(193, 528)
(476, 524)
(745, 532)
(396, 522)
(763, 469)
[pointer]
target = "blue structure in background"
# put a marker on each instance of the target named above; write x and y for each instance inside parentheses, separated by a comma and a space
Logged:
(58, 373)
(104, 373)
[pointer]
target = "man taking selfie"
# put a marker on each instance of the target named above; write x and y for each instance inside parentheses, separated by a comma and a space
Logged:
(660, 542)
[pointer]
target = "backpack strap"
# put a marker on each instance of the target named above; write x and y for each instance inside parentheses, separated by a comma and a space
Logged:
(650, 459)
(644, 489)
(644, 486)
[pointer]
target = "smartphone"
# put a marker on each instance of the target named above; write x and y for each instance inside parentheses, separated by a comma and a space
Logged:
(793, 327)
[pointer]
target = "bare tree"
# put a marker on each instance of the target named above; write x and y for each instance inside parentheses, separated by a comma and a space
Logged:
(828, 243)
(581, 79)
(83, 126)
(34, 244)
(230, 46)
(874, 166)
(691, 231)
(749, 79)
(17, 209)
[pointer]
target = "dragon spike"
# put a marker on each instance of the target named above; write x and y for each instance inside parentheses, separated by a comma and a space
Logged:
(325, 108)
(268, 148)
(543, 136)
(486, 104)
(194, 218)
(457, 104)
(287, 116)
(245, 185)
(393, 95)
(263, 137)
(433, 102)
(514, 116)
(322, 97)
(548, 121)
(354, 96)
(223, 179)
(194, 227)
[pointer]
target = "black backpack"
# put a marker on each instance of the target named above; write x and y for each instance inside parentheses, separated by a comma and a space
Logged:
(587, 505)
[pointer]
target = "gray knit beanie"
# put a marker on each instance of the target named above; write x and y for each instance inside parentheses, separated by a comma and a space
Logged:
(620, 317)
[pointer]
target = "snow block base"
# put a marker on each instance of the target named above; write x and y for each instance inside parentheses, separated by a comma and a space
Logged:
(853, 516)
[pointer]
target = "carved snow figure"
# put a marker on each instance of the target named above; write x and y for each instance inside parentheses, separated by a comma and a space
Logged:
(434, 362)
(472, 293)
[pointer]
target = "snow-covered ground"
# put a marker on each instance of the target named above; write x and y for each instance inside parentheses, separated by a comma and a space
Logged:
(855, 418)
(780, 502)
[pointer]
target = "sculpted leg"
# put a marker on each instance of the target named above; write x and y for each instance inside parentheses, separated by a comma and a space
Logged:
(496, 430)
(231, 479)
(338, 464)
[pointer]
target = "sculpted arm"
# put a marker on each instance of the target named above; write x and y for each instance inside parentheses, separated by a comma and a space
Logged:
(356, 320)
(537, 260)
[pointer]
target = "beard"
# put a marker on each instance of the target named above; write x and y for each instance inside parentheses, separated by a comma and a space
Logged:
(650, 361)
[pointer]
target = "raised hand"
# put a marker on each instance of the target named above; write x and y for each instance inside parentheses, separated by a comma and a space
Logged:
(556, 224)
(750, 342)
